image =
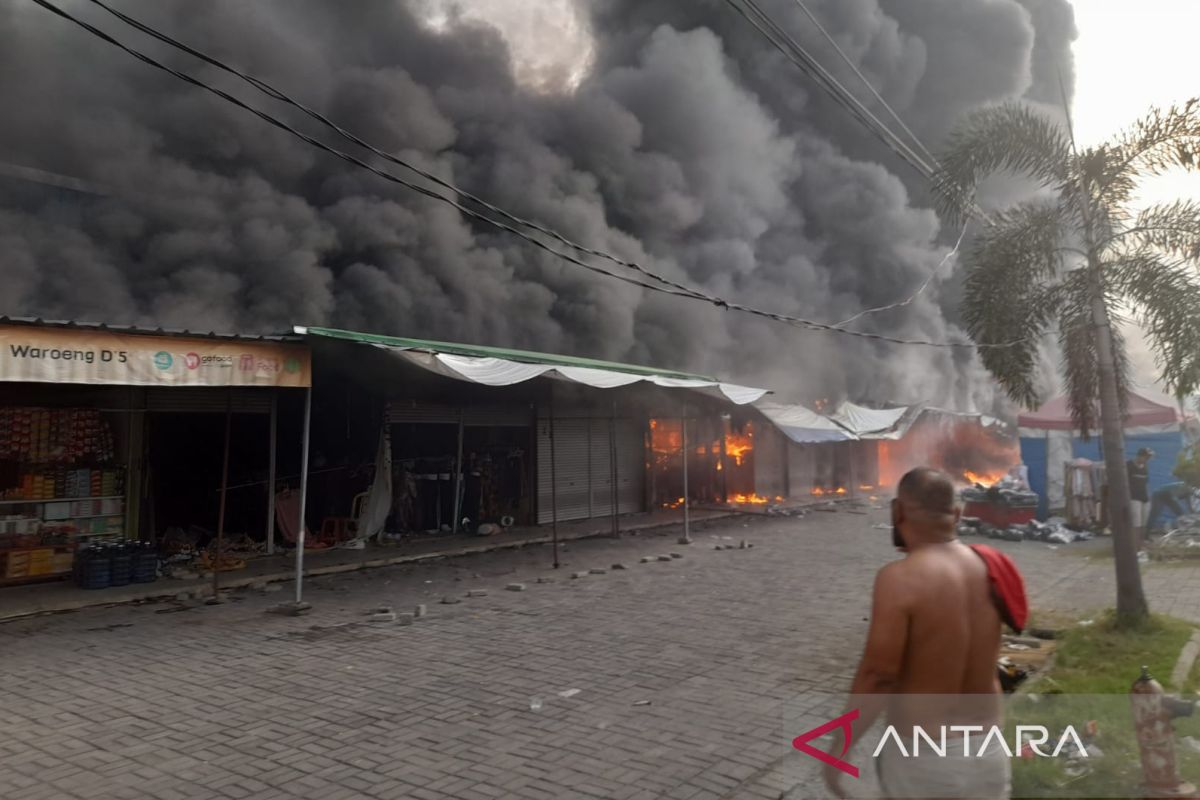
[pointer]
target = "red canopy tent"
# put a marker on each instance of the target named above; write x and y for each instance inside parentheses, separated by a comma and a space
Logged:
(1055, 415)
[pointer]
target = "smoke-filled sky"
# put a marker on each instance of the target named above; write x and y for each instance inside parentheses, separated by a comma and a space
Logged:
(665, 131)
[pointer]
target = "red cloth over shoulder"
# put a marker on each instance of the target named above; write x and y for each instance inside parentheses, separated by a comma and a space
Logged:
(1008, 587)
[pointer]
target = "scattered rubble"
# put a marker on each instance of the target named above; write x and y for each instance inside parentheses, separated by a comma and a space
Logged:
(1053, 531)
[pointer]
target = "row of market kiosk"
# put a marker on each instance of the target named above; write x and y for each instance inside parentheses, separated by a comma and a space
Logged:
(118, 433)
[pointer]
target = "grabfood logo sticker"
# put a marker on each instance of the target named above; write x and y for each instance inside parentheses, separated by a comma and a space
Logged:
(163, 360)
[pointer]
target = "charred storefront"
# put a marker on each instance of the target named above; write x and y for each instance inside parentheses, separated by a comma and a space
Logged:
(971, 448)
(432, 437)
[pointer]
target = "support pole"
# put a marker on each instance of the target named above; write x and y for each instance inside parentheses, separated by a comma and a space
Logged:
(724, 462)
(303, 495)
(687, 500)
(612, 462)
(458, 477)
(553, 484)
(271, 475)
(216, 576)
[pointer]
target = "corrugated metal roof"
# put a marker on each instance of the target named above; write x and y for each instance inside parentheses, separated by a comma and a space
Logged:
(481, 351)
(139, 331)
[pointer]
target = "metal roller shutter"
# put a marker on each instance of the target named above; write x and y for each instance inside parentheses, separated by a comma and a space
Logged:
(571, 444)
(583, 458)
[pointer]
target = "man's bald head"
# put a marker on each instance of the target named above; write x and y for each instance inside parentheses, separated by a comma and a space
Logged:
(929, 503)
(929, 490)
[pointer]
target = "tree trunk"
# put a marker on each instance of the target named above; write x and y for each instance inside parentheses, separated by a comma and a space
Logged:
(1131, 600)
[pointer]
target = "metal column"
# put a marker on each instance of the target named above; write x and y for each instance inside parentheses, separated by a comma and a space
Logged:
(612, 476)
(458, 476)
(216, 564)
(303, 495)
(271, 475)
(553, 484)
(687, 500)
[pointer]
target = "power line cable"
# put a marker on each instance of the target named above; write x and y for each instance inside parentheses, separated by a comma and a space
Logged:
(810, 66)
(279, 95)
(794, 52)
(909, 300)
(837, 48)
(687, 293)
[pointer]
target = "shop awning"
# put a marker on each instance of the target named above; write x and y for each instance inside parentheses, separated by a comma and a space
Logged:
(804, 426)
(491, 366)
(871, 423)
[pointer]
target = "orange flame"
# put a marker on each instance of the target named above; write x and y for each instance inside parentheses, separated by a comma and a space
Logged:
(819, 492)
(749, 499)
(737, 445)
(986, 478)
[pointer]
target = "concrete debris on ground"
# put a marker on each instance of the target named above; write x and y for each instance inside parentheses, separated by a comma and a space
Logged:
(515, 587)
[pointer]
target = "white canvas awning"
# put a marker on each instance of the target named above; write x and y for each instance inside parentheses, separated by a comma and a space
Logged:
(804, 426)
(870, 423)
(504, 372)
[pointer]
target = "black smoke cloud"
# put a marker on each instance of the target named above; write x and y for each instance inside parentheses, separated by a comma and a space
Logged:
(689, 146)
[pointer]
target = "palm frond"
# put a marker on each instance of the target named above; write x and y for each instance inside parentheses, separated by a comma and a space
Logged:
(1160, 141)
(1009, 294)
(1006, 138)
(1171, 227)
(1165, 295)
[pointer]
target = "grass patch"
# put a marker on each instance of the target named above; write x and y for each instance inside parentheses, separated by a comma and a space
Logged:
(1094, 668)
(1104, 659)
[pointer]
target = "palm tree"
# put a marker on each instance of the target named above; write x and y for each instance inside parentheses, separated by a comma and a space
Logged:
(1077, 262)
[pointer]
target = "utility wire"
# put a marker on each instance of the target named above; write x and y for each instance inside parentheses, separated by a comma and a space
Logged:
(809, 65)
(874, 92)
(279, 95)
(919, 291)
(801, 58)
(687, 293)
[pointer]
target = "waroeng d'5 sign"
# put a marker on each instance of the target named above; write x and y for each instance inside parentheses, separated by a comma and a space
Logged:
(73, 355)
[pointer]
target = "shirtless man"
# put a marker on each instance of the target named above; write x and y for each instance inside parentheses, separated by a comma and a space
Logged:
(935, 630)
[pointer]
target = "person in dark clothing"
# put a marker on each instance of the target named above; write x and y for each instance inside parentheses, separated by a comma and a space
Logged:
(1175, 498)
(1138, 469)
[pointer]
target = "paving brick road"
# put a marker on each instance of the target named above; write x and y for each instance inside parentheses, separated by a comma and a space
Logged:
(684, 669)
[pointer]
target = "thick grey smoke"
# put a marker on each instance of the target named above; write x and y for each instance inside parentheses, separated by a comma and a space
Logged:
(687, 144)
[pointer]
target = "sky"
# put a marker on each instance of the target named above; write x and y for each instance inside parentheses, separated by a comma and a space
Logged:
(1129, 57)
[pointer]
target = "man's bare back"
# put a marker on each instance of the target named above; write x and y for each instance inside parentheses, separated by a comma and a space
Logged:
(953, 637)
